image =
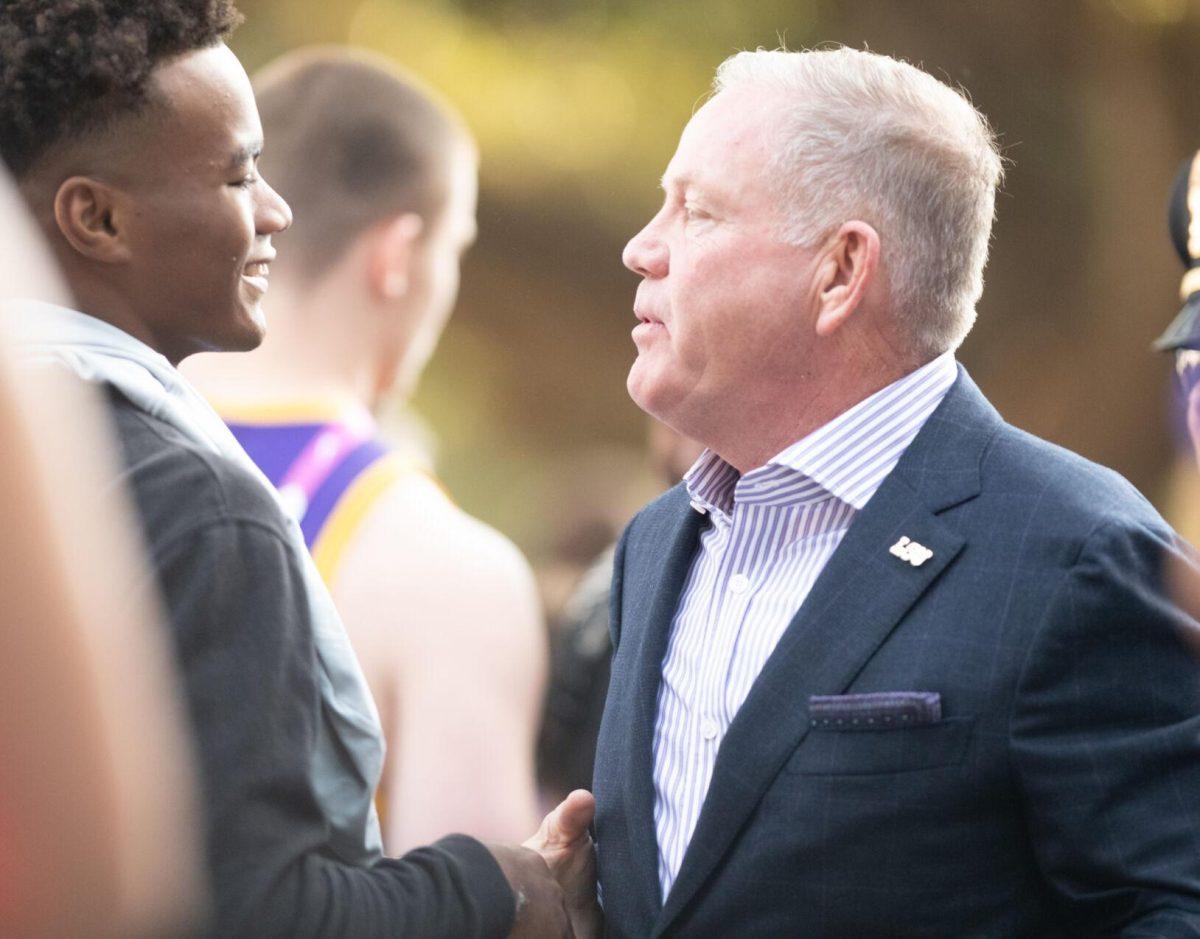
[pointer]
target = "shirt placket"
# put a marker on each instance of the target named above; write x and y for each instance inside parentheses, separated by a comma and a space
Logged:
(735, 592)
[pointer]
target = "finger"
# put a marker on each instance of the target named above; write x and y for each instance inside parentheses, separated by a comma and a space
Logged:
(569, 822)
(566, 823)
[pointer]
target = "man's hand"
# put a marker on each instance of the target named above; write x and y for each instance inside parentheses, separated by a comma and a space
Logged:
(565, 845)
(540, 910)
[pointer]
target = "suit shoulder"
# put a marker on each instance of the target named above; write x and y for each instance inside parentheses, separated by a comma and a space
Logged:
(177, 485)
(1070, 489)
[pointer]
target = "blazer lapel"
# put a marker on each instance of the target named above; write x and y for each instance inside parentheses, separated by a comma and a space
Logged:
(653, 596)
(857, 601)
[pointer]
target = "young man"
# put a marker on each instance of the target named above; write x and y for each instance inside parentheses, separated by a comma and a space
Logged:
(383, 179)
(134, 138)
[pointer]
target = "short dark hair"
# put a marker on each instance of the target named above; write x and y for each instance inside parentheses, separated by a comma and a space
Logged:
(69, 67)
(351, 140)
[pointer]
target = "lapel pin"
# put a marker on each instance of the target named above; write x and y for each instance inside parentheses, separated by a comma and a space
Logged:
(908, 550)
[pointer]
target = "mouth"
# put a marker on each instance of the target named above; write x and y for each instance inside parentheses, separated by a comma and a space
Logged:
(257, 274)
(647, 326)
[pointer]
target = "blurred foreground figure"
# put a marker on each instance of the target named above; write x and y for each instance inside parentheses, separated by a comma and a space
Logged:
(133, 133)
(884, 665)
(441, 609)
(97, 828)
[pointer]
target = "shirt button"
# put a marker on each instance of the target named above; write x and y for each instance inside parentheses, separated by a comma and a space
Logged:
(739, 583)
(708, 728)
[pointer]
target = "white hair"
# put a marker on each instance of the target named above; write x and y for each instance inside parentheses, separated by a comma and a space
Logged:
(868, 137)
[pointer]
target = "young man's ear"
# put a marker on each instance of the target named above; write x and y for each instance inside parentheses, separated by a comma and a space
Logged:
(90, 215)
(391, 253)
(848, 270)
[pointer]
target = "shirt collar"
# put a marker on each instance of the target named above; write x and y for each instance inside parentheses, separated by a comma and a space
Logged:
(847, 458)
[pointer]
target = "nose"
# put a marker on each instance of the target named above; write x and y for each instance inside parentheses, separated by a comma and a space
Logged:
(647, 253)
(274, 214)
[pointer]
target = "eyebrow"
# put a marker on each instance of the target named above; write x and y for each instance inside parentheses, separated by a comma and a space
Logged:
(243, 154)
(679, 182)
(709, 195)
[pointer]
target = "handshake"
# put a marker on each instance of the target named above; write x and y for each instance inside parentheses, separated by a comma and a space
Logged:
(553, 874)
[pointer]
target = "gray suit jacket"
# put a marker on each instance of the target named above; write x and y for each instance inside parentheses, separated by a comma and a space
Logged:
(1058, 794)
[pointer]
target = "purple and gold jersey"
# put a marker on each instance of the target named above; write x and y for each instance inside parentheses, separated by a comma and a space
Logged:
(328, 462)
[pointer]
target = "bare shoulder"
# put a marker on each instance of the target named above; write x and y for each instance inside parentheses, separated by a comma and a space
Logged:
(420, 573)
(414, 528)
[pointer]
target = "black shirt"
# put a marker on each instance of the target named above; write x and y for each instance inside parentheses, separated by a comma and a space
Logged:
(217, 546)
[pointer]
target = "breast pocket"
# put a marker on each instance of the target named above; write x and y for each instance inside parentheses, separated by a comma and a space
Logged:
(844, 752)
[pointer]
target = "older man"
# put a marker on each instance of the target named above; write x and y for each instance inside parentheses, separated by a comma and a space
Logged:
(884, 664)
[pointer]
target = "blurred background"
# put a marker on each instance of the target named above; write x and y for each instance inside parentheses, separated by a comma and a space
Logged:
(578, 104)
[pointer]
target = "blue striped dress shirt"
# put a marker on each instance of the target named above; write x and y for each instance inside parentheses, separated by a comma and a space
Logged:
(772, 532)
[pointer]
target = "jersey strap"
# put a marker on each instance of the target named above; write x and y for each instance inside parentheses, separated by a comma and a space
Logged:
(352, 508)
(329, 473)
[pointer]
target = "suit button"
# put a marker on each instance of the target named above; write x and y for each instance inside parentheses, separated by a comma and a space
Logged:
(709, 728)
(739, 583)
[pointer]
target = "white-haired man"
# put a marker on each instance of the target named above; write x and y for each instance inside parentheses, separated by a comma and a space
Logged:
(884, 665)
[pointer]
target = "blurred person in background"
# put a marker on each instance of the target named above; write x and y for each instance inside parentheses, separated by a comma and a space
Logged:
(441, 609)
(582, 649)
(134, 137)
(98, 835)
(1182, 340)
(1182, 336)
(883, 664)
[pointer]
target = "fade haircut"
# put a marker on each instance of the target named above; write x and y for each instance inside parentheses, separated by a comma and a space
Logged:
(864, 136)
(69, 68)
(353, 141)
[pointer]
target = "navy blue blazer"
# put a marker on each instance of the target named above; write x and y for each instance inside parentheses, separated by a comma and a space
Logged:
(1057, 795)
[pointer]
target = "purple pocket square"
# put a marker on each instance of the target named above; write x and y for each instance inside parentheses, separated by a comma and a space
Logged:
(874, 711)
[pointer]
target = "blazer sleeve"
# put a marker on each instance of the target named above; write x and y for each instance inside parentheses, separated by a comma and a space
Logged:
(1105, 738)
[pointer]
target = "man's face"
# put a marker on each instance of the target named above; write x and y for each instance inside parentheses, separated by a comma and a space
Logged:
(199, 219)
(434, 274)
(725, 307)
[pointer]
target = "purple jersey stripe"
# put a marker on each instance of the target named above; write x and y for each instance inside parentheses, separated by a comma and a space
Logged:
(325, 499)
(274, 447)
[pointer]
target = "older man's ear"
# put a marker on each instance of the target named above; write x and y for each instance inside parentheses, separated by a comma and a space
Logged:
(846, 273)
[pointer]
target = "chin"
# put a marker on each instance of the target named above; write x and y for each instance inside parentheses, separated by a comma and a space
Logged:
(243, 338)
(646, 390)
(253, 323)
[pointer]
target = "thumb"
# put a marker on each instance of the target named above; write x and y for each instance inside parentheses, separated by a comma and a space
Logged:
(568, 822)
